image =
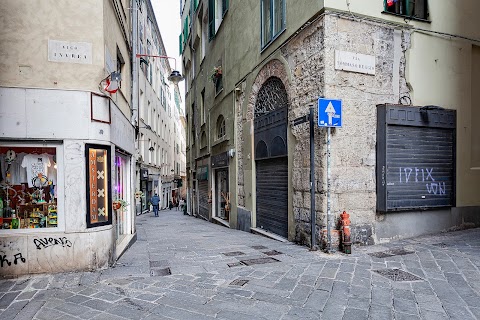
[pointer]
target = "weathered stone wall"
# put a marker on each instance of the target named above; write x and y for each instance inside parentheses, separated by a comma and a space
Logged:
(311, 57)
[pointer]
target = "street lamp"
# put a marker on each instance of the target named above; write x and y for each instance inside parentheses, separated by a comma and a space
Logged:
(175, 76)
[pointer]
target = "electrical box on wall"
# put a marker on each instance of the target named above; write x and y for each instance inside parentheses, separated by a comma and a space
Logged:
(415, 157)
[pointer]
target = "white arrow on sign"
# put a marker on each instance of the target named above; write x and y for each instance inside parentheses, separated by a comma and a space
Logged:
(330, 110)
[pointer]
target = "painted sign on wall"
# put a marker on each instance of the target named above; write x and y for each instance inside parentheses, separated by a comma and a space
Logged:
(355, 62)
(98, 186)
(70, 52)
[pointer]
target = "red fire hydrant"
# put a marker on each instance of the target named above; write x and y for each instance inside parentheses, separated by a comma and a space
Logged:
(345, 225)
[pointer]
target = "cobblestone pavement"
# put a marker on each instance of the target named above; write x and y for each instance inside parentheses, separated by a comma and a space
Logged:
(219, 273)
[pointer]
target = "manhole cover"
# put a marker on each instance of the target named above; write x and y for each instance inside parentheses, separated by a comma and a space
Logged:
(160, 272)
(400, 252)
(381, 254)
(259, 247)
(441, 245)
(272, 253)
(238, 282)
(233, 253)
(234, 264)
(390, 253)
(397, 275)
(250, 262)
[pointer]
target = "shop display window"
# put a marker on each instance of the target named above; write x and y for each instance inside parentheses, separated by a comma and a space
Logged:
(28, 187)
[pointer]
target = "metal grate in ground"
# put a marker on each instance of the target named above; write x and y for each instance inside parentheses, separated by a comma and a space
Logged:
(160, 272)
(235, 264)
(390, 253)
(238, 282)
(397, 275)
(259, 247)
(233, 253)
(250, 262)
(272, 253)
(441, 245)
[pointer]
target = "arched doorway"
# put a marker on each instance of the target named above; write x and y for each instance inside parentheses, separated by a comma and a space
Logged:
(271, 161)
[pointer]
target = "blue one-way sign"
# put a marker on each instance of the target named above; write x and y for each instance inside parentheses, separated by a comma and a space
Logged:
(329, 113)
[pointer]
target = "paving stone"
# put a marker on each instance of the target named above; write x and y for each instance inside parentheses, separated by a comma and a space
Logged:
(6, 285)
(359, 303)
(97, 304)
(458, 312)
(8, 298)
(382, 296)
(378, 312)
(26, 295)
(12, 311)
(30, 310)
(302, 313)
(48, 314)
(317, 300)
(72, 308)
(301, 292)
(405, 316)
(90, 314)
(405, 306)
(176, 313)
(432, 315)
(355, 314)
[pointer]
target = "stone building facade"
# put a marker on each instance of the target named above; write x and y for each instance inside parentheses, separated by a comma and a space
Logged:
(302, 61)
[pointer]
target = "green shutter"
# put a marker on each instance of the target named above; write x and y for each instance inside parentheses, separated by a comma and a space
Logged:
(180, 44)
(225, 6)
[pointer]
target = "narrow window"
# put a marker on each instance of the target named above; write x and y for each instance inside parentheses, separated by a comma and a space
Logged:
(409, 8)
(220, 127)
(272, 20)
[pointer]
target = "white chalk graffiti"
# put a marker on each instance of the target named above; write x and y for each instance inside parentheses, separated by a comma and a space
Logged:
(422, 175)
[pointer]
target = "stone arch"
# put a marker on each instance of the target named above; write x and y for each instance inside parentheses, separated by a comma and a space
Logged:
(274, 68)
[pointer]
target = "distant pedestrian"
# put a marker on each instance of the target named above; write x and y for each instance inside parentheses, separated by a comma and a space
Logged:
(181, 203)
(155, 201)
(170, 205)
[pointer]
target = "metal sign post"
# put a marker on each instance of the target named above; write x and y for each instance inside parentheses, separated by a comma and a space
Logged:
(329, 115)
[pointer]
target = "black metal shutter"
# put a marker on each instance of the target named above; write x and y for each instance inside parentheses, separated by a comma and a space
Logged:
(272, 195)
(415, 158)
(203, 205)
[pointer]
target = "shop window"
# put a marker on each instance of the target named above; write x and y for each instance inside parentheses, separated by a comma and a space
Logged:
(410, 8)
(220, 127)
(99, 202)
(28, 188)
(272, 20)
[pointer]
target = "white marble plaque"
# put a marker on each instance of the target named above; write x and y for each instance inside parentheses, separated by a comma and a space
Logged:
(70, 52)
(354, 62)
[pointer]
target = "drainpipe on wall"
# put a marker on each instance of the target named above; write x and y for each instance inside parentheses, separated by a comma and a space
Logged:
(134, 118)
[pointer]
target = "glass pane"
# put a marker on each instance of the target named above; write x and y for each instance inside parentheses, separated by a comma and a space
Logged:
(266, 22)
(28, 189)
(277, 16)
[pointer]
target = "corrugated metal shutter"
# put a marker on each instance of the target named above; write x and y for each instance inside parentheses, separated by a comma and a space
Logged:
(272, 195)
(419, 167)
(415, 158)
(203, 199)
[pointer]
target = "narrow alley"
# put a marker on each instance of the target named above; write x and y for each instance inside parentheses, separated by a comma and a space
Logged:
(181, 267)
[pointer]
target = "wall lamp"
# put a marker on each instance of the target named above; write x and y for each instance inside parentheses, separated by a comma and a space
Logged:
(174, 77)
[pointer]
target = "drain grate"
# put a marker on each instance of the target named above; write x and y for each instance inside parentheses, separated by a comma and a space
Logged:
(441, 245)
(160, 272)
(390, 253)
(233, 253)
(259, 247)
(234, 264)
(397, 275)
(400, 252)
(250, 262)
(239, 282)
(272, 253)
